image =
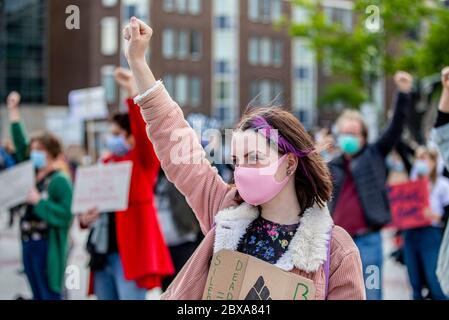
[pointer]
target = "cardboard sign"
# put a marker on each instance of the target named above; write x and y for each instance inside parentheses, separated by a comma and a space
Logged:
(15, 184)
(237, 276)
(408, 202)
(103, 186)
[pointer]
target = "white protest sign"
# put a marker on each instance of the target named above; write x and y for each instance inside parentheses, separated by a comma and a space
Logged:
(102, 186)
(15, 184)
(88, 104)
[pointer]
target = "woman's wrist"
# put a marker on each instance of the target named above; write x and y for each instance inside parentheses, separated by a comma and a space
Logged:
(143, 76)
(14, 115)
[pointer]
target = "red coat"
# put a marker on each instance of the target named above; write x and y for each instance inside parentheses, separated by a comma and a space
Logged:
(142, 248)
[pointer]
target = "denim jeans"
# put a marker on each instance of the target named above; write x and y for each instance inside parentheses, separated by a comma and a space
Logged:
(34, 255)
(110, 283)
(371, 253)
(421, 247)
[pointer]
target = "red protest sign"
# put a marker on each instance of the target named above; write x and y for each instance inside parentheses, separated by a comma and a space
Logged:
(408, 202)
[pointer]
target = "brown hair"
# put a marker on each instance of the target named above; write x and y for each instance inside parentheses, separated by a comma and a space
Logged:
(353, 115)
(312, 178)
(50, 142)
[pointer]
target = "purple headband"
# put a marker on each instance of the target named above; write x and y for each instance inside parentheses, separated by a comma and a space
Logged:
(260, 123)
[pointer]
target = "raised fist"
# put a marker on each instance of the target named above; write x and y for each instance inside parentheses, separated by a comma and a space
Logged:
(138, 34)
(13, 100)
(403, 81)
(125, 80)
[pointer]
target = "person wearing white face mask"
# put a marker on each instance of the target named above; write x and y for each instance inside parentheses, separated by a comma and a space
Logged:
(47, 220)
(421, 245)
(276, 211)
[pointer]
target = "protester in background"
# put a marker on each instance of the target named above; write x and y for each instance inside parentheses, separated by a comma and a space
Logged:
(325, 144)
(277, 210)
(128, 252)
(360, 203)
(46, 223)
(441, 131)
(421, 245)
(179, 224)
(441, 137)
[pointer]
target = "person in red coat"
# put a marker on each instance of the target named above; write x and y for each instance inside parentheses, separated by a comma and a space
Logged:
(128, 252)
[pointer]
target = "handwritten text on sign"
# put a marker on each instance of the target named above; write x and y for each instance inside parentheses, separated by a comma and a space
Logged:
(408, 202)
(103, 186)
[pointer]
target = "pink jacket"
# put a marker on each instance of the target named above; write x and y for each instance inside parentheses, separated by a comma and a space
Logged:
(223, 221)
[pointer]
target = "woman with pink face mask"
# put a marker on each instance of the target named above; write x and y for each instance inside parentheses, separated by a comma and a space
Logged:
(275, 211)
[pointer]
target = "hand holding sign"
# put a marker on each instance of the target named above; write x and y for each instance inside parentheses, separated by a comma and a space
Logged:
(104, 187)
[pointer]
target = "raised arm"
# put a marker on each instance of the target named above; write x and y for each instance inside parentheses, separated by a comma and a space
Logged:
(393, 132)
(143, 148)
(19, 136)
(175, 142)
(441, 132)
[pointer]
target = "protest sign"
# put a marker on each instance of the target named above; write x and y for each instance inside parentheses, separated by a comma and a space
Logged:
(15, 184)
(103, 186)
(88, 104)
(237, 276)
(408, 202)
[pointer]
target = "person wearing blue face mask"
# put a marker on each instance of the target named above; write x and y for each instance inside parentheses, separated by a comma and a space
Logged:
(360, 203)
(46, 223)
(422, 245)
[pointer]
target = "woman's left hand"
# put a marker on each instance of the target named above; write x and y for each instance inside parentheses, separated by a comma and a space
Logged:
(34, 197)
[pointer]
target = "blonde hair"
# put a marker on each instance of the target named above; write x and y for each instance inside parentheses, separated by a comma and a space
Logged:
(353, 115)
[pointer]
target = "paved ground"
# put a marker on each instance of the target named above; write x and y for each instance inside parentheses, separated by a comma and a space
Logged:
(13, 282)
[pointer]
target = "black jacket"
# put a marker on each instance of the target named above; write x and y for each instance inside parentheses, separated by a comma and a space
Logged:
(369, 171)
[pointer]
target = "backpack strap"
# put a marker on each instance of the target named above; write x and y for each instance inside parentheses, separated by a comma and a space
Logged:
(327, 264)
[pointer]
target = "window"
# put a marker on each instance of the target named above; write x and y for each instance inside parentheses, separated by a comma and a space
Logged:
(169, 5)
(342, 16)
(222, 67)
(109, 3)
(253, 10)
(181, 6)
(169, 83)
(183, 44)
(168, 43)
(277, 53)
(195, 7)
(253, 51)
(181, 89)
(302, 73)
(222, 22)
(109, 36)
(223, 90)
(195, 91)
(265, 10)
(195, 44)
(276, 10)
(265, 51)
(108, 82)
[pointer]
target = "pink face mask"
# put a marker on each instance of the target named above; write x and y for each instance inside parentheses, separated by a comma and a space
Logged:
(258, 185)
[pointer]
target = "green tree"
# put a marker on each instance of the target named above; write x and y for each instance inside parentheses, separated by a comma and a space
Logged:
(386, 34)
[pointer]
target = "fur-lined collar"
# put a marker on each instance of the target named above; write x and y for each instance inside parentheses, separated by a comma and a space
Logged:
(307, 250)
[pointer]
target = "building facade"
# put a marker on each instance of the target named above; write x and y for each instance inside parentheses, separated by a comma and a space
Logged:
(215, 56)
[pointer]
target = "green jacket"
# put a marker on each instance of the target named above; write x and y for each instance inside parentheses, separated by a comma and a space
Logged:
(54, 209)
